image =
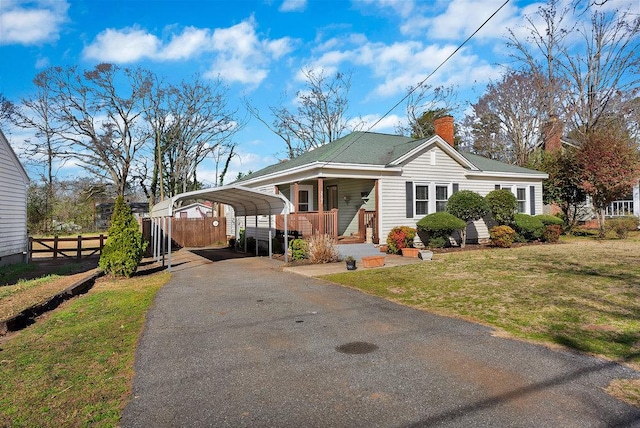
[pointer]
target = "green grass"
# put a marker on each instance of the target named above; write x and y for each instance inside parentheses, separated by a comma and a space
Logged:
(583, 293)
(11, 273)
(74, 368)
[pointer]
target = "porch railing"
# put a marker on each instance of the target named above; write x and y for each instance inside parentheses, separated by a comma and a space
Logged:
(367, 219)
(308, 223)
(619, 209)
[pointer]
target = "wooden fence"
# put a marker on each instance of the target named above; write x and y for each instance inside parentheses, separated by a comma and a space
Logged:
(192, 232)
(70, 248)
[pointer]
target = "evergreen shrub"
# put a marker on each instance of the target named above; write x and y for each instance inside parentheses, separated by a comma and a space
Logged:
(298, 249)
(125, 244)
(502, 206)
(548, 220)
(528, 227)
(439, 225)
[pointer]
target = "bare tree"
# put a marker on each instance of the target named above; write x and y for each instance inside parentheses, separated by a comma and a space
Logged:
(7, 110)
(37, 114)
(320, 116)
(591, 69)
(101, 111)
(506, 119)
(202, 125)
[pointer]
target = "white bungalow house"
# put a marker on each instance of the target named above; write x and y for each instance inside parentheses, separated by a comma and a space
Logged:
(13, 206)
(371, 182)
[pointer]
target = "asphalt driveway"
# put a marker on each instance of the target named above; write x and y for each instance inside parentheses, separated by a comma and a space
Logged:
(239, 343)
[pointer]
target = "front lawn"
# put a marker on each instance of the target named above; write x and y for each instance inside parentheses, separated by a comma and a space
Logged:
(581, 293)
(74, 367)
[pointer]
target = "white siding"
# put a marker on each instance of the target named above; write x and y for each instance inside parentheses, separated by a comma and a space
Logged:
(13, 203)
(445, 171)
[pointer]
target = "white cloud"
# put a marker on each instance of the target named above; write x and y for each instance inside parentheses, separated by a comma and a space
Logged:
(122, 46)
(386, 125)
(236, 53)
(30, 23)
(293, 5)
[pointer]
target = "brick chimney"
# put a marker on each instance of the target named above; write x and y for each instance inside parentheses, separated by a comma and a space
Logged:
(552, 134)
(444, 129)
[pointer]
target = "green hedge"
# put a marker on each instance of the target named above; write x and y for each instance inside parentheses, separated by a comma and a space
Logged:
(549, 220)
(528, 227)
(439, 226)
(502, 205)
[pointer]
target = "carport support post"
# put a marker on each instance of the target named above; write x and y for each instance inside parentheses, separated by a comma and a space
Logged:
(246, 231)
(256, 218)
(286, 238)
(169, 246)
(270, 244)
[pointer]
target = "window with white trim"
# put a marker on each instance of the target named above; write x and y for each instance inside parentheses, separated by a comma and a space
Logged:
(422, 199)
(521, 196)
(442, 195)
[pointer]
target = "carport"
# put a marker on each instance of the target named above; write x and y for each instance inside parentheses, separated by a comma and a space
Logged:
(244, 201)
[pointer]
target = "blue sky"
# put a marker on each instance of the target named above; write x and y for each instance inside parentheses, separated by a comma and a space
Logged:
(259, 47)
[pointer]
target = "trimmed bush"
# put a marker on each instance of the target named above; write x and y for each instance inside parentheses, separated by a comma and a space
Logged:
(298, 249)
(321, 249)
(552, 233)
(468, 206)
(502, 206)
(548, 220)
(527, 226)
(437, 242)
(400, 237)
(621, 226)
(502, 236)
(439, 225)
(125, 244)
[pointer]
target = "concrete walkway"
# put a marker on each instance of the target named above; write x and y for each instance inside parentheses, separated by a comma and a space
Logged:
(240, 343)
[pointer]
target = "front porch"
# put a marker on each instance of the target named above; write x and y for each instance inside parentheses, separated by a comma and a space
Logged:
(344, 208)
(307, 224)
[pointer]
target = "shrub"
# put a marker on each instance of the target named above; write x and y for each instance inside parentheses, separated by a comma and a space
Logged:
(321, 249)
(468, 206)
(502, 236)
(232, 243)
(298, 249)
(621, 226)
(548, 220)
(437, 242)
(400, 237)
(502, 206)
(552, 233)
(529, 227)
(276, 246)
(125, 244)
(439, 225)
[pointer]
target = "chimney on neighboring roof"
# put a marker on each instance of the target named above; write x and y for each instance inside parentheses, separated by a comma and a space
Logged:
(552, 134)
(444, 129)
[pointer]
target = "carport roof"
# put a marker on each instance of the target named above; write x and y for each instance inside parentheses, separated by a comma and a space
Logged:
(244, 201)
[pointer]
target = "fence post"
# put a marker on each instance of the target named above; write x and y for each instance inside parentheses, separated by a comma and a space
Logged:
(55, 247)
(30, 249)
(79, 250)
(101, 244)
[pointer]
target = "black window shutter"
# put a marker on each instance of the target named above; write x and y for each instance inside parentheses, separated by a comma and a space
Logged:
(409, 186)
(532, 201)
(456, 187)
(497, 187)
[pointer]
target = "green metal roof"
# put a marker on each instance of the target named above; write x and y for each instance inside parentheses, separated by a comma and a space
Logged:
(370, 148)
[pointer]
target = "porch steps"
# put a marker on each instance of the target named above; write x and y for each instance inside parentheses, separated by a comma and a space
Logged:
(357, 251)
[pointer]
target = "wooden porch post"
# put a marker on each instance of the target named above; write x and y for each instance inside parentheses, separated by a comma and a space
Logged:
(320, 206)
(376, 238)
(296, 190)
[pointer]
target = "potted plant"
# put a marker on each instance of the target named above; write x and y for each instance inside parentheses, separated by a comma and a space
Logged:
(351, 263)
(400, 237)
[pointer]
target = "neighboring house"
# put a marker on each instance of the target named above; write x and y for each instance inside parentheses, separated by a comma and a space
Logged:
(553, 139)
(104, 211)
(377, 181)
(195, 210)
(13, 206)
